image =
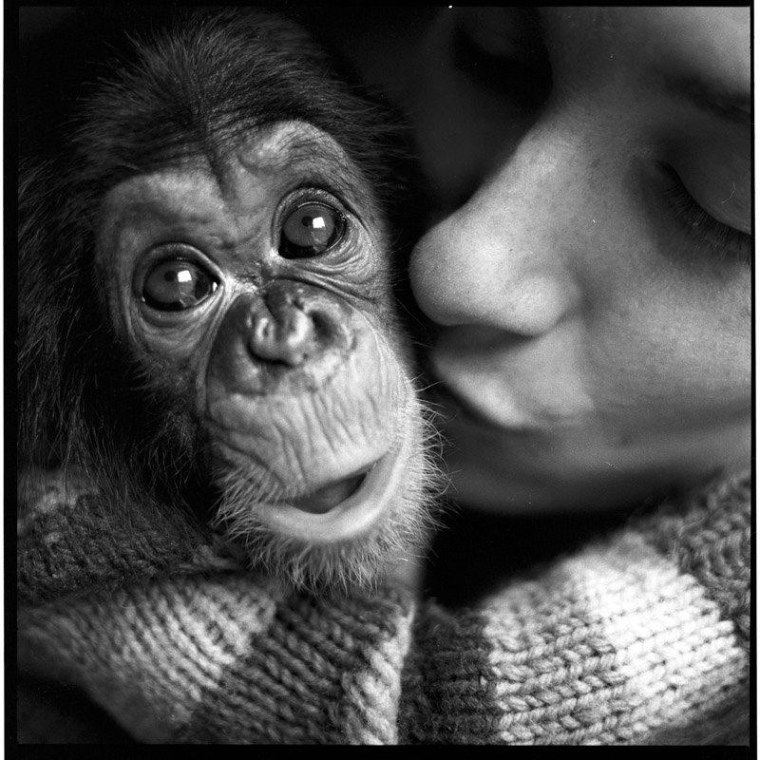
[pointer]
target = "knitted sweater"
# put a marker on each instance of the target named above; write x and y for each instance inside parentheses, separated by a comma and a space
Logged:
(641, 637)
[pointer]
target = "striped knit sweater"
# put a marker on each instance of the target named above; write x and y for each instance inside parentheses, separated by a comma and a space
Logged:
(642, 637)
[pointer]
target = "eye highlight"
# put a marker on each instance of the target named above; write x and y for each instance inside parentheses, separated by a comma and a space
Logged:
(177, 285)
(310, 230)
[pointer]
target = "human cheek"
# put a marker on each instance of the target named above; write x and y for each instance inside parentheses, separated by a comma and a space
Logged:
(667, 329)
(662, 361)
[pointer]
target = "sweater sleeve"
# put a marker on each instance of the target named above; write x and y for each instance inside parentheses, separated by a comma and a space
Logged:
(640, 638)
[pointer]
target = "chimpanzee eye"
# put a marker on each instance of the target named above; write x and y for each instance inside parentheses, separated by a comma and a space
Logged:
(176, 285)
(310, 230)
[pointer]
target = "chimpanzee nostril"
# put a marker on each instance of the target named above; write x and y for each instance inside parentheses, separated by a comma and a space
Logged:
(286, 335)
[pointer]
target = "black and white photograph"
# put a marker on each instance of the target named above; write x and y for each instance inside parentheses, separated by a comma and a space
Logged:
(384, 375)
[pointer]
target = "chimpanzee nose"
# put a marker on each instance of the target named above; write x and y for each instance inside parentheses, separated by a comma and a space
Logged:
(282, 332)
(290, 335)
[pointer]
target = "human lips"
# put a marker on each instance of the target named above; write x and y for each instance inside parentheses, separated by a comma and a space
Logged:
(502, 383)
(473, 394)
(465, 406)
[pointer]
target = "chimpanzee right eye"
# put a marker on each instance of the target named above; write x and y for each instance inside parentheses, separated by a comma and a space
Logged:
(309, 230)
(177, 285)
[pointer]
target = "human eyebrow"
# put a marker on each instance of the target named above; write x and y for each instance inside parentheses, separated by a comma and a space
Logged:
(727, 104)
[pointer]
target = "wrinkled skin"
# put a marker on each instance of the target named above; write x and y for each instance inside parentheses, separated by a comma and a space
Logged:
(288, 363)
(215, 351)
(301, 408)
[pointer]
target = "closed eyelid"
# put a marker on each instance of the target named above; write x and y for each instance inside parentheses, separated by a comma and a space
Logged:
(719, 180)
(678, 228)
(729, 205)
(725, 239)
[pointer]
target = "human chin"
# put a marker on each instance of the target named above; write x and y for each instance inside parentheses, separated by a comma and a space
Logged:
(583, 467)
(538, 447)
(501, 457)
(511, 477)
(525, 469)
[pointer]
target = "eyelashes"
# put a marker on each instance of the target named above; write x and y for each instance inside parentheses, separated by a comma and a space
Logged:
(726, 242)
(524, 76)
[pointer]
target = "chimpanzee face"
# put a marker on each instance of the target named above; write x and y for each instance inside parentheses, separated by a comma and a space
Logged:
(207, 311)
(258, 293)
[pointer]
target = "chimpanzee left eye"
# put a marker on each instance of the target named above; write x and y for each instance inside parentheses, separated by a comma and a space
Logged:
(177, 285)
(311, 230)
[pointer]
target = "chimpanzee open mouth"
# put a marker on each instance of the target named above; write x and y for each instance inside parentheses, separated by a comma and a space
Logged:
(341, 510)
(329, 496)
(350, 532)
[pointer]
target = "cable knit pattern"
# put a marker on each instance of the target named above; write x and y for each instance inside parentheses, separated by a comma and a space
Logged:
(639, 638)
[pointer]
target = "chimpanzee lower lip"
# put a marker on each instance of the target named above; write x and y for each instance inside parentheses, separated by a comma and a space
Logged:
(348, 519)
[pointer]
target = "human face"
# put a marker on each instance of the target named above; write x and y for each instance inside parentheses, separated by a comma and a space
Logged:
(589, 262)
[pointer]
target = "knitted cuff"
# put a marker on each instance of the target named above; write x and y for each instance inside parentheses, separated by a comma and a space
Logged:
(636, 639)
(217, 660)
(708, 536)
(629, 640)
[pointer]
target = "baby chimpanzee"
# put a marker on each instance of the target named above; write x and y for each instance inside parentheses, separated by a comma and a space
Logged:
(205, 302)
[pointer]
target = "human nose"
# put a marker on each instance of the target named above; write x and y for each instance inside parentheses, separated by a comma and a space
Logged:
(501, 259)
